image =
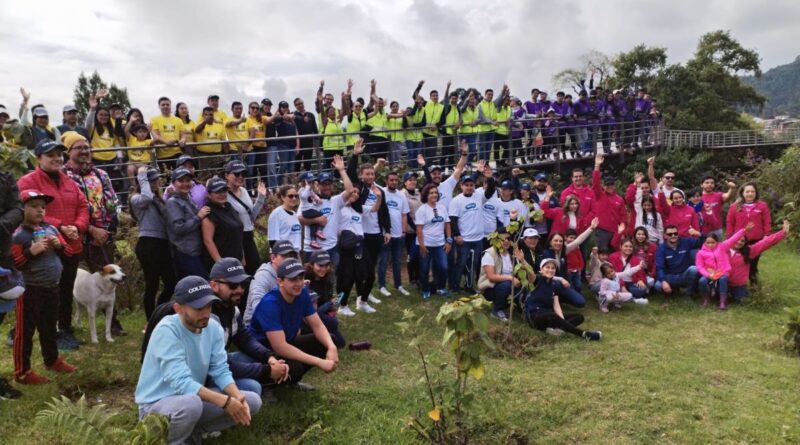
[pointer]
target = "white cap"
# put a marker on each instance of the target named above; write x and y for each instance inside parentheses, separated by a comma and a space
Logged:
(548, 260)
(530, 232)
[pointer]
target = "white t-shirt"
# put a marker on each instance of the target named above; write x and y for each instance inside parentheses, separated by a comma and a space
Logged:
(504, 210)
(370, 220)
(351, 220)
(490, 207)
(306, 201)
(397, 203)
(446, 191)
(432, 223)
(469, 212)
(283, 225)
(487, 260)
(330, 209)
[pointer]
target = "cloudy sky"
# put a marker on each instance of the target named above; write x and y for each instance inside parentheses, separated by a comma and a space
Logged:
(248, 50)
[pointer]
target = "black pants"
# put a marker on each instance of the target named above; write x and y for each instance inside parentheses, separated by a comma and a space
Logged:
(311, 346)
(351, 272)
(373, 243)
(251, 255)
(449, 149)
(754, 263)
(377, 146)
(65, 297)
(36, 310)
(413, 260)
(544, 320)
(429, 144)
(304, 159)
(156, 262)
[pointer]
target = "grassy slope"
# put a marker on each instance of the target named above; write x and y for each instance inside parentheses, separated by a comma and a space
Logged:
(667, 373)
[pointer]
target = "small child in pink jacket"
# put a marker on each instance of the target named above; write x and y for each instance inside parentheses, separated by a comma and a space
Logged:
(713, 263)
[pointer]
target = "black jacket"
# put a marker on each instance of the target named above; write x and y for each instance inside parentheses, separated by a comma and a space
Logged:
(10, 216)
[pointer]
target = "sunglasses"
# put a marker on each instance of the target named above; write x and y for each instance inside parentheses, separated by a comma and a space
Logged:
(238, 174)
(671, 234)
(669, 177)
(231, 286)
(254, 108)
(292, 196)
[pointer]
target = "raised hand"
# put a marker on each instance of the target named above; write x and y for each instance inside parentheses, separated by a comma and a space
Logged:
(358, 147)
(549, 191)
(261, 188)
(651, 160)
(598, 159)
(637, 177)
(463, 147)
(25, 95)
(621, 228)
(595, 222)
(421, 160)
(338, 163)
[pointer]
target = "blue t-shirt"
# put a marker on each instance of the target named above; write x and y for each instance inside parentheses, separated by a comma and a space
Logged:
(273, 313)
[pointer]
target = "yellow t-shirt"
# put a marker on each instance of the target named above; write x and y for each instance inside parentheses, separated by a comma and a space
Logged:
(219, 117)
(238, 132)
(169, 128)
(187, 131)
(260, 130)
(106, 140)
(213, 132)
(139, 155)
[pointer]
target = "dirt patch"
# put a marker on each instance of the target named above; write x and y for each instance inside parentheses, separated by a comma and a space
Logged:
(519, 344)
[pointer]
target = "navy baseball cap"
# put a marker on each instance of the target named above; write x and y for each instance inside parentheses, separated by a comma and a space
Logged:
(153, 174)
(212, 96)
(308, 176)
(467, 178)
(183, 159)
(283, 247)
(325, 177)
(435, 167)
(409, 175)
(609, 180)
(179, 173)
(525, 186)
(230, 270)
(216, 185)
(194, 291)
(46, 146)
(541, 176)
(235, 166)
(291, 268)
(507, 184)
(320, 257)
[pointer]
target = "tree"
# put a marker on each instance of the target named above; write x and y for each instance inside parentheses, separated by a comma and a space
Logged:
(592, 65)
(88, 86)
(638, 67)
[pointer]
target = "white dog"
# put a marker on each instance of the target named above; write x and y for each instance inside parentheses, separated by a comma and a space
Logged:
(97, 291)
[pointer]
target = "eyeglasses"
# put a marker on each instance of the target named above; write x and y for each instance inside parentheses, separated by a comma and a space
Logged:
(670, 178)
(671, 234)
(238, 174)
(231, 286)
(292, 196)
(254, 108)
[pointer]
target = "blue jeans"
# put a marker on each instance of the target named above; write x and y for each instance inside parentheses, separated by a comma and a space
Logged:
(250, 160)
(463, 258)
(635, 291)
(485, 141)
(395, 247)
(738, 293)
(498, 295)
(272, 165)
(436, 256)
(414, 148)
(186, 265)
(568, 295)
(575, 281)
(722, 285)
(472, 145)
(687, 278)
(287, 156)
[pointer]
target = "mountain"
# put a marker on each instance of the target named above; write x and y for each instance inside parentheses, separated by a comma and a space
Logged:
(781, 87)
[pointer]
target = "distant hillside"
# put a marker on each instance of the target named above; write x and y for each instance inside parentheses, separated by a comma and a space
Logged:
(781, 87)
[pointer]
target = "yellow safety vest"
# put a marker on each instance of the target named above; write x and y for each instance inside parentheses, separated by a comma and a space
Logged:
(502, 117)
(396, 123)
(451, 119)
(333, 139)
(433, 112)
(490, 113)
(379, 123)
(467, 117)
(354, 125)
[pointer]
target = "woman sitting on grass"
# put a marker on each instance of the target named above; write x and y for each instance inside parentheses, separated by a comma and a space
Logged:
(742, 254)
(558, 250)
(543, 310)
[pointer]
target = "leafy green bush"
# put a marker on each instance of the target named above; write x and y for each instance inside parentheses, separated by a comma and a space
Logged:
(779, 184)
(689, 165)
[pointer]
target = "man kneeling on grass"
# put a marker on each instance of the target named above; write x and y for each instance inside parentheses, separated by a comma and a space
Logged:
(279, 316)
(188, 349)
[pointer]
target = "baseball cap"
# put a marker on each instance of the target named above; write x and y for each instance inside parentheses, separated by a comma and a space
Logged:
(194, 291)
(180, 172)
(183, 159)
(216, 185)
(282, 247)
(212, 96)
(29, 194)
(46, 146)
(320, 257)
(408, 175)
(548, 260)
(230, 270)
(467, 178)
(3, 110)
(235, 166)
(266, 101)
(308, 176)
(68, 108)
(40, 112)
(609, 180)
(290, 268)
(530, 232)
(525, 186)
(541, 176)
(507, 184)
(152, 174)
(325, 177)
(435, 167)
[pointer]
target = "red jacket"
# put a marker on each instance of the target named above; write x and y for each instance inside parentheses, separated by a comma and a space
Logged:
(609, 208)
(683, 217)
(585, 195)
(648, 254)
(561, 221)
(575, 261)
(69, 206)
(616, 260)
(739, 215)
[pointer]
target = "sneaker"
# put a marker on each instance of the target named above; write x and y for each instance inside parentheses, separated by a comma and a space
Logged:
(443, 293)
(31, 378)
(304, 387)
(604, 309)
(617, 305)
(69, 335)
(371, 298)
(314, 245)
(555, 332)
(61, 366)
(10, 338)
(592, 335)
(320, 235)
(345, 311)
(364, 307)
(426, 295)
(403, 291)
(500, 315)
(7, 391)
(385, 292)
(641, 301)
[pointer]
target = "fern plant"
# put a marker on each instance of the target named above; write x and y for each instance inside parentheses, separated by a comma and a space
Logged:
(77, 422)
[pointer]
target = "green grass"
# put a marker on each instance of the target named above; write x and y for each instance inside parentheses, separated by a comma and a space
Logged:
(670, 373)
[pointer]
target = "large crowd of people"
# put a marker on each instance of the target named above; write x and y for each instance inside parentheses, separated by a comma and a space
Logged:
(335, 230)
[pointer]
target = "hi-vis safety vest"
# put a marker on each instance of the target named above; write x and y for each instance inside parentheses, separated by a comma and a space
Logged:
(333, 139)
(433, 112)
(379, 124)
(354, 124)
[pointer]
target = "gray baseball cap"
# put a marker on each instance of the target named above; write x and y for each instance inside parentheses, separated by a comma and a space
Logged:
(283, 247)
(230, 270)
(291, 268)
(194, 291)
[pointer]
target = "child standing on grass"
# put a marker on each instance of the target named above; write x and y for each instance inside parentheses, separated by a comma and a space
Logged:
(35, 247)
(309, 202)
(613, 290)
(713, 262)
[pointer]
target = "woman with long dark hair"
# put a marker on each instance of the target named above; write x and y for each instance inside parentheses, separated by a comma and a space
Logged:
(747, 209)
(223, 231)
(559, 249)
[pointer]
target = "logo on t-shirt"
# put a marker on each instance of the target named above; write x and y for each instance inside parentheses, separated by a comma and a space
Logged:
(372, 196)
(471, 206)
(392, 204)
(437, 219)
(296, 228)
(488, 207)
(325, 210)
(355, 218)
